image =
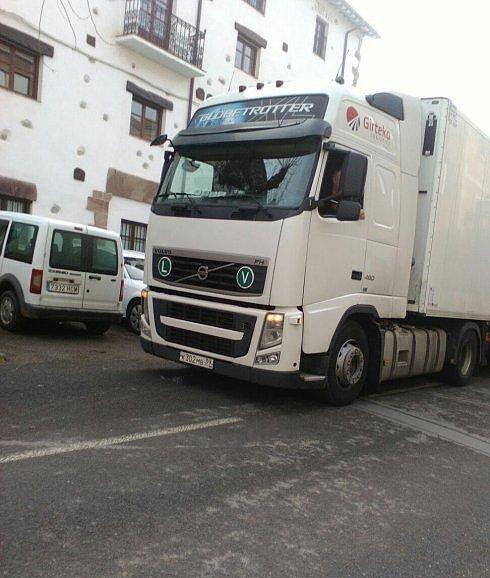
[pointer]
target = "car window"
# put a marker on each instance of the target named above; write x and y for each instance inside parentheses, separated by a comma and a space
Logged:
(3, 231)
(104, 256)
(21, 242)
(134, 272)
(66, 251)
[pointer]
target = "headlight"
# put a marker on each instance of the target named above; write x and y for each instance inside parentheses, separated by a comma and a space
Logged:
(272, 330)
(144, 302)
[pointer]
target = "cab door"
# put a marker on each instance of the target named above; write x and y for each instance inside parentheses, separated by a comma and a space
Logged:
(64, 275)
(336, 249)
(104, 274)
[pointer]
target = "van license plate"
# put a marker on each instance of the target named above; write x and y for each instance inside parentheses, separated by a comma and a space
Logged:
(69, 288)
(198, 360)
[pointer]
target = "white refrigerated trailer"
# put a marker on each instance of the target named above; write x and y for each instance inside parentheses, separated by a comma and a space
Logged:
(308, 235)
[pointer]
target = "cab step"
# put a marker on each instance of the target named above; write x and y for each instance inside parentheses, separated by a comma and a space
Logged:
(311, 377)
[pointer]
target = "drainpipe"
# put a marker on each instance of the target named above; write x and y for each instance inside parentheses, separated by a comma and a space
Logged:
(191, 83)
(340, 78)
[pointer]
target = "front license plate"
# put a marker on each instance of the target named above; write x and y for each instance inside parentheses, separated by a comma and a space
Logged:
(57, 287)
(198, 360)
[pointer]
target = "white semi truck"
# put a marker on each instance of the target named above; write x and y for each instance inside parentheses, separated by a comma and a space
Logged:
(307, 235)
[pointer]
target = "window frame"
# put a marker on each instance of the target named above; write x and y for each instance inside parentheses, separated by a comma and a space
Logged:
(324, 23)
(337, 158)
(13, 69)
(3, 222)
(145, 104)
(255, 51)
(90, 268)
(82, 255)
(28, 259)
(133, 238)
(4, 199)
(260, 8)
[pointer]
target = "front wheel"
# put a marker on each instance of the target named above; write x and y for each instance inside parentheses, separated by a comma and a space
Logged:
(346, 367)
(133, 316)
(97, 327)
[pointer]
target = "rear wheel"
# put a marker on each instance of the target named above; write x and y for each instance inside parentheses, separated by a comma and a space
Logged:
(346, 367)
(133, 316)
(10, 315)
(466, 360)
(97, 327)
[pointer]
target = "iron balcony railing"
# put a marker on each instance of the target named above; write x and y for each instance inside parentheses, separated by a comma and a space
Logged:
(153, 21)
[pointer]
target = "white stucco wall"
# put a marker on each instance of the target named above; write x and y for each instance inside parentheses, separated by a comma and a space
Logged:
(65, 125)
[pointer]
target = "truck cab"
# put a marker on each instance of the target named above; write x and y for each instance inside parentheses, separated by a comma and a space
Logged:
(282, 235)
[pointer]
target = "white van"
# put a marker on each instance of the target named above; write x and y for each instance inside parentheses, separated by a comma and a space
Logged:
(52, 269)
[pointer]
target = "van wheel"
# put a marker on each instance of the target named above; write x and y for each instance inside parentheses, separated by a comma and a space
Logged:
(10, 315)
(133, 316)
(346, 367)
(97, 327)
(466, 360)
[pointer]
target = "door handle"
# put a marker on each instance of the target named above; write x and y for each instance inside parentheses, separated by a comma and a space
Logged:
(95, 277)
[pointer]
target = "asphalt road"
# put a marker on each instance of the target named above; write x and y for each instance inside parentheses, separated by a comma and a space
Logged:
(116, 464)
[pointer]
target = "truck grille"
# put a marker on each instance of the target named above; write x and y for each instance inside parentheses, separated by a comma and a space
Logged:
(209, 274)
(205, 316)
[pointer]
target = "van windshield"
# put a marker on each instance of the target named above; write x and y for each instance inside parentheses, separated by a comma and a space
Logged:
(239, 181)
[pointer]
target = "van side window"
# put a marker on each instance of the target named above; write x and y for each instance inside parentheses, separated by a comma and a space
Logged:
(337, 181)
(4, 225)
(21, 242)
(104, 256)
(66, 251)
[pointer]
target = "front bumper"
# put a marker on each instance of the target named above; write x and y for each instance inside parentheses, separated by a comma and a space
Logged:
(287, 380)
(227, 333)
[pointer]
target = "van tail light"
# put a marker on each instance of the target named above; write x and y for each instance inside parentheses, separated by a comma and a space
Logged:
(121, 291)
(36, 281)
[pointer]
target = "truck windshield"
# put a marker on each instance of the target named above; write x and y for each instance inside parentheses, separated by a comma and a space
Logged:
(259, 181)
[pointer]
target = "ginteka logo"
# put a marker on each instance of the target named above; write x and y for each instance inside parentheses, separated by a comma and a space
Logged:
(378, 130)
(353, 118)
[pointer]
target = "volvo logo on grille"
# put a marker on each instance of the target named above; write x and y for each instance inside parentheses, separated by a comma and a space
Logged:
(203, 272)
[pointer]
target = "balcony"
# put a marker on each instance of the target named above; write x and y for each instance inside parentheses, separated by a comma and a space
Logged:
(153, 31)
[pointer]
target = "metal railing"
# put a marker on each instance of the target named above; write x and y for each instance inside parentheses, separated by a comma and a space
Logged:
(153, 21)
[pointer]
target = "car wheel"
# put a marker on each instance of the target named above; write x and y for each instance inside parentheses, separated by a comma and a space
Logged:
(466, 360)
(97, 327)
(346, 367)
(10, 315)
(133, 316)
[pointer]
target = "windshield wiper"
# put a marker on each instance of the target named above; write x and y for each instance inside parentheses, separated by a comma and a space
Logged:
(190, 199)
(260, 206)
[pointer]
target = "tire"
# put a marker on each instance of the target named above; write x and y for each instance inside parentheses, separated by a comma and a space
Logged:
(10, 316)
(346, 367)
(466, 360)
(97, 327)
(133, 316)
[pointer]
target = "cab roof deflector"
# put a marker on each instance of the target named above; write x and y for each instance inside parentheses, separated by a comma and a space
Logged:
(251, 132)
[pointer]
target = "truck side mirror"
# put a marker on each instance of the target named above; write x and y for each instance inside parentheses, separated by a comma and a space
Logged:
(354, 170)
(348, 211)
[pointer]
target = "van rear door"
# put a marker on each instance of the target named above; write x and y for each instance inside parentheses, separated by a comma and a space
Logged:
(104, 273)
(64, 275)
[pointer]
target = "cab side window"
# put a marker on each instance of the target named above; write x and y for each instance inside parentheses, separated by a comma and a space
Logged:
(21, 242)
(343, 180)
(66, 251)
(104, 256)
(3, 231)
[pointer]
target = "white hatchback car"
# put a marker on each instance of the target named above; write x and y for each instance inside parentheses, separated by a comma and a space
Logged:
(52, 269)
(134, 263)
